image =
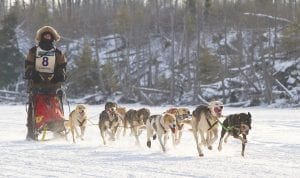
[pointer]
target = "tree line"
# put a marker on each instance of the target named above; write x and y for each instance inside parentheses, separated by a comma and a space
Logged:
(229, 46)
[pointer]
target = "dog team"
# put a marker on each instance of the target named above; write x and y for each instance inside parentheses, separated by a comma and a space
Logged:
(204, 122)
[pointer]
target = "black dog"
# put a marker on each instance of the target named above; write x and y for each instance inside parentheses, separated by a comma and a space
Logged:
(236, 125)
(110, 106)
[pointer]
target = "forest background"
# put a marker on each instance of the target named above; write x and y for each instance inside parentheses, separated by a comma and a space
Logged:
(242, 52)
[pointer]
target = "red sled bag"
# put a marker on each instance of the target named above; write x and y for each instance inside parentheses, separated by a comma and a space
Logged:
(47, 109)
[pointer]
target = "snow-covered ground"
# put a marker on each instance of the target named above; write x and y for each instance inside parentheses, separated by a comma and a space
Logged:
(273, 150)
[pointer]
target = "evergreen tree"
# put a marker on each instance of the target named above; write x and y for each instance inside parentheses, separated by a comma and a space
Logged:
(11, 60)
(291, 41)
(110, 78)
(84, 77)
(209, 67)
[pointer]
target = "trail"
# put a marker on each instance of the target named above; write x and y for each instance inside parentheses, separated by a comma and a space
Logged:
(273, 150)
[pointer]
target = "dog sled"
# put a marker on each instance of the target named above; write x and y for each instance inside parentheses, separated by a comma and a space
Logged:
(45, 112)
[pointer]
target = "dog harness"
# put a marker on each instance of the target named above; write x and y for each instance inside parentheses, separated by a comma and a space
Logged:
(230, 127)
(211, 125)
(112, 117)
(162, 126)
(81, 123)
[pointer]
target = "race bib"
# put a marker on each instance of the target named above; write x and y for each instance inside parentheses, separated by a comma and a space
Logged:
(45, 60)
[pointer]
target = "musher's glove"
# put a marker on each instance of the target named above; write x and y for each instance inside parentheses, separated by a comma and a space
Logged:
(36, 77)
(59, 74)
(33, 75)
(58, 78)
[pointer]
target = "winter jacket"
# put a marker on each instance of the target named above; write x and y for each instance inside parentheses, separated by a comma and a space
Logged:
(41, 80)
(45, 66)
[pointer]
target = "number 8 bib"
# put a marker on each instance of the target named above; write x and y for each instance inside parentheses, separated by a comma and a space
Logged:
(45, 61)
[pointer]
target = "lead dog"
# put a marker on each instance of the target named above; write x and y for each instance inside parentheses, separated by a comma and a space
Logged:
(136, 120)
(160, 125)
(181, 115)
(236, 125)
(77, 118)
(109, 121)
(205, 122)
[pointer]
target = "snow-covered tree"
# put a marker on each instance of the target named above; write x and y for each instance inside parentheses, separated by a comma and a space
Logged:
(11, 60)
(84, 76)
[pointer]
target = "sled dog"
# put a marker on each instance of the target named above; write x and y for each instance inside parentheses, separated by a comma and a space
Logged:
(109, 121)
(160, 125)
(121, 111)
(135, 120)
(77, 118)
(236, 125)
(181, 114)
(205, 122)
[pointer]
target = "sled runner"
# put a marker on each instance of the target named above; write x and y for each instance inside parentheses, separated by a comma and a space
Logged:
(45, 113)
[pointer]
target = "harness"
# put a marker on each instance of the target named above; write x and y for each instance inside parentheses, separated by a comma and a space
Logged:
(112, 117)
(180, 117)
(230, 126)
(154, 123)
(211, 125)
(81, 123)
(165, 130)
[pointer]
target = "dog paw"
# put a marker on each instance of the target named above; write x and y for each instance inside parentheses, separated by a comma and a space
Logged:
(201, 154)
(219, 148)
(210, 147)
(149, 144)
(154, 136)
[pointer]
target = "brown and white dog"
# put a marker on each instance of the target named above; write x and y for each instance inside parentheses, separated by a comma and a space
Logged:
(109, 121)
(136, 119)
(160, 125)
(77, 118)
(236, 125)
(181, 115)
(205, 122)
(122, 112)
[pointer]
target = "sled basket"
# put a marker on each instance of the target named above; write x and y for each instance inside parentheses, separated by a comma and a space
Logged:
(48, 110)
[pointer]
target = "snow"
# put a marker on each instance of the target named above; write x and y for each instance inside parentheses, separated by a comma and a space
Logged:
(282, 66)
(268, 16)
(273, 150)
(291, 80)
(23, 42)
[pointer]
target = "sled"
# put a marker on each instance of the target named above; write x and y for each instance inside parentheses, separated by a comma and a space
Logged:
(45, 113)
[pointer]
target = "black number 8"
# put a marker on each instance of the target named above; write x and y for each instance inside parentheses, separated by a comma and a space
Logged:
(45, 61)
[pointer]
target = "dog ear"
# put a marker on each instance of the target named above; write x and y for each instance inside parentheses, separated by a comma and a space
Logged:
(249, 114)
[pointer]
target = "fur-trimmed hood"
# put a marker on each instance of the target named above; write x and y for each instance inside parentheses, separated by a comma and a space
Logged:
(49, 29)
